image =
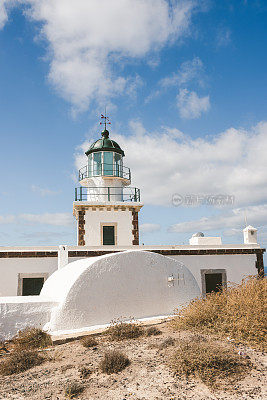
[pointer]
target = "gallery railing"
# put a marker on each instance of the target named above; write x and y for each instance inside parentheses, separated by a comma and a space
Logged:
(107, 194)
(103, 169)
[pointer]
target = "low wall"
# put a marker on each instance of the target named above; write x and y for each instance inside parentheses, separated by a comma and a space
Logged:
(17, 313)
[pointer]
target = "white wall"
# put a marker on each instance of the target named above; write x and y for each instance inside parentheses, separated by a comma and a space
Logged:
(11, 267)
(93, 220)
(17, 313)
(205, 240)
(237, 266)
(94, 291)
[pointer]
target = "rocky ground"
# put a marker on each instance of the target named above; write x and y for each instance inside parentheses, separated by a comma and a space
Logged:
(148, 377)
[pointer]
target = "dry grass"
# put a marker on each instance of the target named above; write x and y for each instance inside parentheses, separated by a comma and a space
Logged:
(153, 331)
(238, 311)
(114, 361)
(120, 330)
(89, 341)
(209, 361)
(31, 338)
(20, 361)
(73, 389)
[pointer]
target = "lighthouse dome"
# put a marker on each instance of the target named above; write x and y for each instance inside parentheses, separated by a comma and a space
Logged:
(105, 144)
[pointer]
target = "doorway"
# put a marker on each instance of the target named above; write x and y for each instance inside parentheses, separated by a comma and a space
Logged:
(108, 235)
(212, 280)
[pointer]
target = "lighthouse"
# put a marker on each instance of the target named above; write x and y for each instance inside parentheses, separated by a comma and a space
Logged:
(106, 207)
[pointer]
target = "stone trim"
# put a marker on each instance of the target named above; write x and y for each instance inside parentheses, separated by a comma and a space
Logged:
(208, 252)
(135, 230)
(101, 207)
(27, 254)
(174, 252)
(91, 253)
(81, 228)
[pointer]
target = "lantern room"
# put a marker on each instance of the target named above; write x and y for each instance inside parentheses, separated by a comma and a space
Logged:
(105, 159)
(104, 177)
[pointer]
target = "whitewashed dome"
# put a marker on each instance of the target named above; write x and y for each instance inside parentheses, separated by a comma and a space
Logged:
(95, 291)
(198, 234)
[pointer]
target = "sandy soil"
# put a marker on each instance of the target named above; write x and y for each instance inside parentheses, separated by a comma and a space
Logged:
(146, 378)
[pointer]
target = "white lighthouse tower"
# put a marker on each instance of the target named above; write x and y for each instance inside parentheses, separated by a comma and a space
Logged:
(106, 207)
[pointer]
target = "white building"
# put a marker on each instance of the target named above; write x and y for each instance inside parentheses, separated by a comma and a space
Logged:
(106, 209)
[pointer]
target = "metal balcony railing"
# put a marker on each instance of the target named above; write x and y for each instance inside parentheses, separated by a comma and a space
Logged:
(107, 194)
(103, 169)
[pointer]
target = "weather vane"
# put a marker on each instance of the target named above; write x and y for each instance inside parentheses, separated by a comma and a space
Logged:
(105, 120)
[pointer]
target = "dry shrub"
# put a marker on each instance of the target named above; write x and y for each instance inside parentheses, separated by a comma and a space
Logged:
(114, 361)
(85, 372)
(198, 338)
(55, 356)
(153, 331)
(73, 389)
(3, 347)
(89, 341)
(213, 363)
(65, 367)
(20, 361)
(238, 311)
(166, 343)
(32, 338)
(120, 330)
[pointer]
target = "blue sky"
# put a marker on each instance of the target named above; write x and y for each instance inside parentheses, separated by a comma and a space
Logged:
(185, 87)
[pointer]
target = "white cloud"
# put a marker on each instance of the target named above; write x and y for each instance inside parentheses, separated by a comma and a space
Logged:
(190, 105)
(88, 39)
(223, 37)
(43, 191)
(189, 70)
(229, 221)
(55, 219)
(167, 162)
(45, 237)
(7, 219)
(3, 13)
(147, 228)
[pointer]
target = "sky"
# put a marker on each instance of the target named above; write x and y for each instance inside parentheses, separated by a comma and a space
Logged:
(184, 83)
